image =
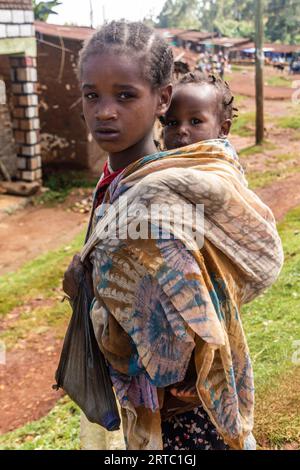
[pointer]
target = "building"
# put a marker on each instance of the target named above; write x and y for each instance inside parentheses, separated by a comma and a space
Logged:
(273, 52)
(65, 140)
(193, 39)
(19, 119)
(223, 44)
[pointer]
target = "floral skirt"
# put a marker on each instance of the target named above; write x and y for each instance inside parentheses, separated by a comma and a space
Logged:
(192, 430)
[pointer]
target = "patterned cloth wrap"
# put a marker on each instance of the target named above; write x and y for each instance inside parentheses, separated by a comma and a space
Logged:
(158, 300)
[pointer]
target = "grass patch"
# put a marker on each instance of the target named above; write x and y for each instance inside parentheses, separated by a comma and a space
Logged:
(289, 122)
(284, 157)
(271, 321)
(277, 417)
(58, 430)
(244, 125)
(39, 277)
(272, 326)
(37, 321)
(279, 81)
(258, 179)
(239, 100)
(237, 68)
(61, 184)
(253, 149)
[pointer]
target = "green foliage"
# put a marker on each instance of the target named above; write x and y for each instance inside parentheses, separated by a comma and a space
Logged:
(244, 125)
(259, 179)
(271, 322)
(271, 327)
(37, 278)
(283, 21)
(254, 149)
(234, 18)
(229, 18)
(43, 9)
(58, 430)
(60, 185)
(289, 122)
(279, 81)
(179, 14)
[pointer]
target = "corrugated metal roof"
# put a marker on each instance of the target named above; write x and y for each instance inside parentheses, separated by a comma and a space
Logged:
(79, 33)
(227, 42)
(195, 36)
(279, 48)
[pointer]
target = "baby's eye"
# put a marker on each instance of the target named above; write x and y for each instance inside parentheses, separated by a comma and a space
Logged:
(171, 123)
(90, 96)
(195, 121)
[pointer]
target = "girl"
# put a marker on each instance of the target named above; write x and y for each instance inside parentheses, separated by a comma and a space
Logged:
(167, 307)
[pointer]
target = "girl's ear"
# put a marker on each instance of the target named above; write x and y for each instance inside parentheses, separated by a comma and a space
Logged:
(165, 95)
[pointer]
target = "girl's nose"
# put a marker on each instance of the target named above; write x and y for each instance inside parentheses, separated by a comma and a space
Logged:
(105, 111)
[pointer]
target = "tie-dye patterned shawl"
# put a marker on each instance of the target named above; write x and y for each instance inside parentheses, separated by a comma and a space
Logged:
(157, 300)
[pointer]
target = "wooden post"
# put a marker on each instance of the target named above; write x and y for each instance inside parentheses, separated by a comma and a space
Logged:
(259, 76)
(91, 14)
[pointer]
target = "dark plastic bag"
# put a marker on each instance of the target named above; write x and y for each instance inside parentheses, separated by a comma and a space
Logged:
(82, 371)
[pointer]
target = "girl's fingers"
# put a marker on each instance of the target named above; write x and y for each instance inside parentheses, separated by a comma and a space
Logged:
(186, 390)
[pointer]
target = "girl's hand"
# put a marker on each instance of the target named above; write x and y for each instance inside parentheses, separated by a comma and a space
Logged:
(72, 277)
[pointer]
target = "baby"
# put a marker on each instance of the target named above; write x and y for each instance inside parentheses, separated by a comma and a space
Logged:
(201, 109)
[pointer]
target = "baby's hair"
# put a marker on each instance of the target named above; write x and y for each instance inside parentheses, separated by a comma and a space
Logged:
(128, 38)
(227, 109)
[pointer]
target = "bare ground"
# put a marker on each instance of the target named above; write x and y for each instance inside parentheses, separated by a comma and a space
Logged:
(25, 387)
(33, 231)
(26, 381)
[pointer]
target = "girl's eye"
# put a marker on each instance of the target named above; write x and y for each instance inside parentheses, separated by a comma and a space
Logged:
(195, 121)
(124, 95)
(90, 96)
(171, 123)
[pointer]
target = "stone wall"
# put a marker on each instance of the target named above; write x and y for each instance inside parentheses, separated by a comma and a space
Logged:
(16, 23)
(8, 154)
(16, 4)
(18, 46)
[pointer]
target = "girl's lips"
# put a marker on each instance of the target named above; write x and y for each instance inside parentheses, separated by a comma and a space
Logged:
(107, 135)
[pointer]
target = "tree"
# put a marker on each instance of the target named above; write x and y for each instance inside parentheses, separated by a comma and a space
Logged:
(227, 17)
(179, 14)
(234, 17)
(283, 23)
(43, 9)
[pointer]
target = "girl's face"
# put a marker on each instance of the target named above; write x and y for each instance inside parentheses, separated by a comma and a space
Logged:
(119, 104)
(193, 116)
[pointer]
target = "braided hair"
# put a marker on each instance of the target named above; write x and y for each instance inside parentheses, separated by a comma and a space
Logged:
(227, 110)
(132, 37)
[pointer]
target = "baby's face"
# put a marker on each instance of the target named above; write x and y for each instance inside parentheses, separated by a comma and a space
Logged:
(193, 116)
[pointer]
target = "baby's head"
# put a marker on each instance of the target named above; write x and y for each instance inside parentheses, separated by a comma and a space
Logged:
(201, 109)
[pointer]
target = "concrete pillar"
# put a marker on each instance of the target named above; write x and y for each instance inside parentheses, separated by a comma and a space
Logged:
(26, 124)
